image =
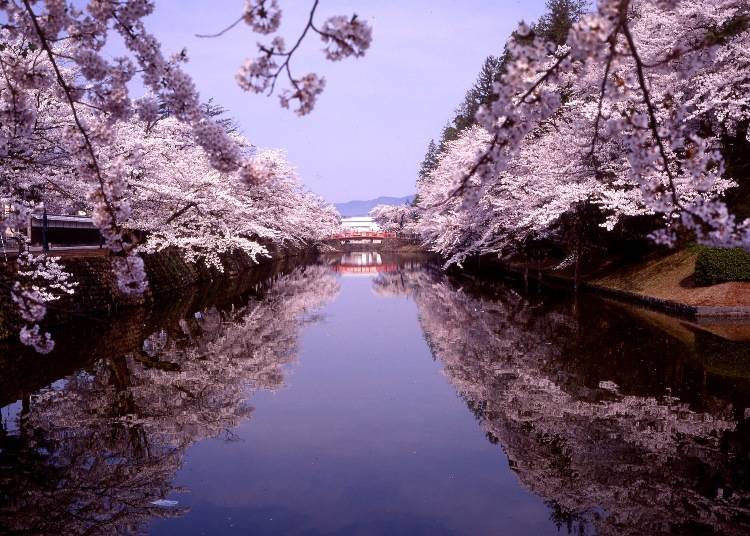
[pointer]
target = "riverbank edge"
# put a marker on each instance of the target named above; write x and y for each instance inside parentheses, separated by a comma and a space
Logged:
(168, 272)
(593, 285)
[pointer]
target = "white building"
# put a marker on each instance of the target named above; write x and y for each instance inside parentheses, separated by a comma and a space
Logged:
(359, 224)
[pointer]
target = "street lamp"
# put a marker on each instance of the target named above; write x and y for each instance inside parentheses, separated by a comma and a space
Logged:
(45, 241)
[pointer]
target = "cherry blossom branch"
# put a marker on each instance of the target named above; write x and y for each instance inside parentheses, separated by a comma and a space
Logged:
(288, 55)
(181, 211)
(66, 90)
(221, 32)
(344, 37)
(653, 121)
(496, 144)
(602, 92)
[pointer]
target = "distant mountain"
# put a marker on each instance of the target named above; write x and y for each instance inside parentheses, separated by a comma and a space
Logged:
(363, 208)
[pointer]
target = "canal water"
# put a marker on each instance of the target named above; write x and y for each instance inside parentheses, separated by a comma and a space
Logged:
(374, 394)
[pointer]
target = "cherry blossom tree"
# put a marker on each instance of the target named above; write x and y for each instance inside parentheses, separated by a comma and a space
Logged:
(395, 218)
(180, 201)
(643, 54)
(627, 115)
(63, 103)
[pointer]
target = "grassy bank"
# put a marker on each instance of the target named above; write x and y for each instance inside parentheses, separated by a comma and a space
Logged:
(665, 282)
(670, 279)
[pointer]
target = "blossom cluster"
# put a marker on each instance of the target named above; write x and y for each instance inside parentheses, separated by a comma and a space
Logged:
(41, 279)
(345, 37)
(305, 91)
(263, 16)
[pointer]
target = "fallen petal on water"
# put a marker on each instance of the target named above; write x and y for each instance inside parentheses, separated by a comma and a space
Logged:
(164, 503)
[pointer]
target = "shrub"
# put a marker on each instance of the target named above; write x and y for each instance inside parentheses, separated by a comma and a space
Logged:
(719, 265)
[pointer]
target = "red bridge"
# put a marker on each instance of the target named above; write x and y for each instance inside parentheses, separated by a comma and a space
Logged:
(355, 235)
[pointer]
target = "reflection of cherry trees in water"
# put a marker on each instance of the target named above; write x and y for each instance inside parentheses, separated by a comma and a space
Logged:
(605, 460)
(96, 452)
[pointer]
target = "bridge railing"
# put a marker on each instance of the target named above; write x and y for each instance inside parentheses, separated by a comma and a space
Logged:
(363, 234)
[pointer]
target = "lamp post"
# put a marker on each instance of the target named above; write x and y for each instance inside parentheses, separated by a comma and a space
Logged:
(45, 241)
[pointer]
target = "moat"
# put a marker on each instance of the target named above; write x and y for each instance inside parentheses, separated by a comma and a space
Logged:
(370, 393)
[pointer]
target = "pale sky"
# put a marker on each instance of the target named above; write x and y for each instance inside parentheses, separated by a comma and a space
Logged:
(370, 128)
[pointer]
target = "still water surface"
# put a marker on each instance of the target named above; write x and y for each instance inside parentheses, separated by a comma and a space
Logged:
(364, 394)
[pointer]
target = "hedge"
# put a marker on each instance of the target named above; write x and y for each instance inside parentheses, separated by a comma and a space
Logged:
(719, 265)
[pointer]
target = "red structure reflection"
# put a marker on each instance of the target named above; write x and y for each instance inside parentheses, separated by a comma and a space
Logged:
(363, 263)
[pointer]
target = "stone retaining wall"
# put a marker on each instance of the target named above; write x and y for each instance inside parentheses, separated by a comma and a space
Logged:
(97, 294)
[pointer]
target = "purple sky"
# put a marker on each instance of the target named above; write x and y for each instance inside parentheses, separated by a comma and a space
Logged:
(372, 124)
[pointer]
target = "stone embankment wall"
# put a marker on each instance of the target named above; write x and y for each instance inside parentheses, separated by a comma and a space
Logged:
(97, 294)
(667, 296)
